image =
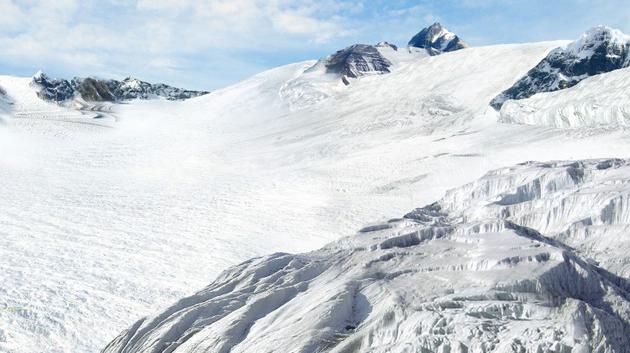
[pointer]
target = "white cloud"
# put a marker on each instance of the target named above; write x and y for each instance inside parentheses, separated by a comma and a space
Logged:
(10, 15)
(79, 36)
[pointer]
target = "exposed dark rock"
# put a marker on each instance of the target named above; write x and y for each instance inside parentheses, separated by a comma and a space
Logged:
(94, 90)
(599, 50)
(57, 90)
(437, 39)
(97, 90)
(357, 60)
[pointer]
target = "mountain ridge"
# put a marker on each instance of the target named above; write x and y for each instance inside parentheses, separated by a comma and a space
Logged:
(100, 90)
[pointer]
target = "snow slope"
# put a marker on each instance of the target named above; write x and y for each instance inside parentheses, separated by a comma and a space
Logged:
(467, 274)
(601, 49)
(107, 219)
(598, 101)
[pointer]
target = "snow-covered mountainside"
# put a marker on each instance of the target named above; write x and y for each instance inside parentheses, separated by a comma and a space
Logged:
(113, 214)
(23, 107)
(601, 101)
(364, 60)
(436, 40)
(531, 258)
(601, 49)
(97, 90)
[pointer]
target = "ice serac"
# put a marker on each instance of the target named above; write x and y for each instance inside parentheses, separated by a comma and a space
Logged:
(531, 258)
(601, 49)
(436, 40)
(96, 90)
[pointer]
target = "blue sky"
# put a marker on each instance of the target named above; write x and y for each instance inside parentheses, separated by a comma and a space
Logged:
(207, 44)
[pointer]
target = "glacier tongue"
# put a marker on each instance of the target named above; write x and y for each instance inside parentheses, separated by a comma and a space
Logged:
(504, 264)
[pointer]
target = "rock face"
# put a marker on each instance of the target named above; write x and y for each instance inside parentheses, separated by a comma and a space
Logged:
(57, 90)
(437, 39)
(96, 90)
(356, 61)
(600, 49)
(531, 258)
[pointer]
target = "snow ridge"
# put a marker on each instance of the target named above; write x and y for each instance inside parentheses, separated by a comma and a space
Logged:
(601, 49)
(500, 264)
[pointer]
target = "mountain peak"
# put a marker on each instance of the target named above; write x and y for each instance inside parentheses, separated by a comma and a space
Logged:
(597, 36)
(436, 39)
(39, 75)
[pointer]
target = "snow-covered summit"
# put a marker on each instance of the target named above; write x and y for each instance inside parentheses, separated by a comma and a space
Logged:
(436, 39)
(601, 49)
(517, 261)
(97, 90)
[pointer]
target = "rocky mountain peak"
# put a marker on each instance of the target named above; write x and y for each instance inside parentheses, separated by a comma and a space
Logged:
(436, 39)
(598, 37)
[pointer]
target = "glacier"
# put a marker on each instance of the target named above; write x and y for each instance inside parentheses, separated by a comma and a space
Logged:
(112, 212)
(498, 265)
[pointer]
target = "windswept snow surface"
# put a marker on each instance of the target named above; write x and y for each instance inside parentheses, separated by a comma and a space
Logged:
(108, 217)
(466, 274)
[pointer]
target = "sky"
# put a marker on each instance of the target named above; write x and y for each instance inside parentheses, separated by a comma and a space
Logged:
(209, 44)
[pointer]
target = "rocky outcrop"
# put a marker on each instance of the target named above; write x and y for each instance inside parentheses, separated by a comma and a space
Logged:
(97, 90)
(436, 40)
(356, 61)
